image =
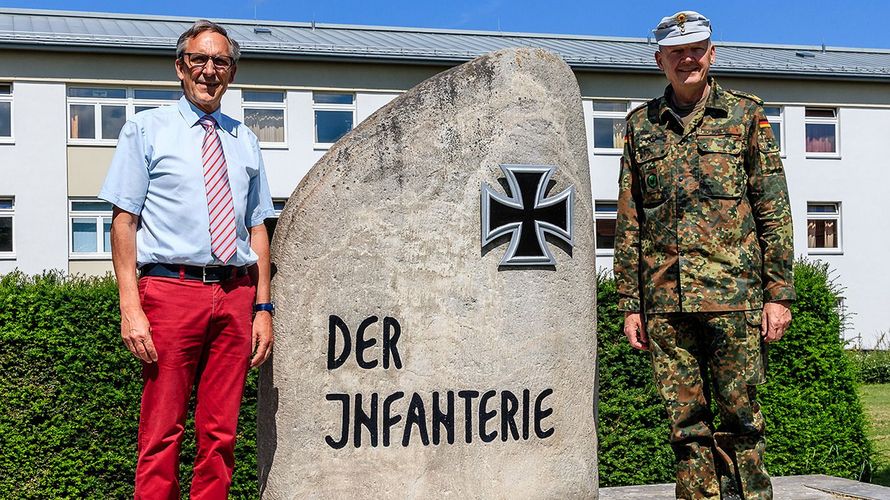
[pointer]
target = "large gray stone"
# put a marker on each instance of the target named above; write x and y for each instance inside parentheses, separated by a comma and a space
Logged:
(387, 224)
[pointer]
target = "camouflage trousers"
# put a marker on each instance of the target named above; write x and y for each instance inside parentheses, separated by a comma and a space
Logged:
(696, 356)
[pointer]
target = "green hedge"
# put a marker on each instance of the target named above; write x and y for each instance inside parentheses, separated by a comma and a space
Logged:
(815, 422)
(872, 366)
(69, 395)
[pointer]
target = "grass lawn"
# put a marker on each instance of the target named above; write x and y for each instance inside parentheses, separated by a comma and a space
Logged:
(876, 400)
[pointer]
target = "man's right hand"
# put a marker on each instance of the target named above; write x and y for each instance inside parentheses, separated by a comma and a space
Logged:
(634, 331)
(136, 333)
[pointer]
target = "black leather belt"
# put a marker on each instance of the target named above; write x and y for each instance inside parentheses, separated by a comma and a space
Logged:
(209, 274)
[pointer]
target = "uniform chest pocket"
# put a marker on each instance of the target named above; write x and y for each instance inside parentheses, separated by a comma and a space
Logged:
(721, 166)
(654, 174)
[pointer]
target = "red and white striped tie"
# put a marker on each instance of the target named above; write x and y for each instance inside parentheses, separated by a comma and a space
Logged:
(219, 195)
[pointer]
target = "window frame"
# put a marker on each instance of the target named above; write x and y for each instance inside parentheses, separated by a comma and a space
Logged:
(782, 128)
(130, 102)
(100, 229)
(9, 213)
(836, 121)
(331, 107)
(10, 139)
(594, 114)
(261, 105)
(600, 214)
(837, 217)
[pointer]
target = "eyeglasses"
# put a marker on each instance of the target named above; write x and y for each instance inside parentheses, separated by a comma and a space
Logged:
(197, 60)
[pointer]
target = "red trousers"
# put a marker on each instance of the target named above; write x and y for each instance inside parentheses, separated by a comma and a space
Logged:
(202, 333)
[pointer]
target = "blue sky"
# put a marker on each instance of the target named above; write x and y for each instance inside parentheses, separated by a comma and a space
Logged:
(813, 22)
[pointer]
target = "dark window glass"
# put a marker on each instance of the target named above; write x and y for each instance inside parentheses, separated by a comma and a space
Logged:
(820, 113)
(5, 89)
(605, 233)
(97, 93)
(83, 121)
(616, 106)
(157, 94)
(5, 234)
(144, 108)
(278, 205)
(822, 233)
(113, 119)
(332, 98)
(777, 132)
(608, 132)
(822, 208)
(821, 138)
(90, 206)
(6, 204)
(83, 235)
(5, 119)
(332, 125)
(262, 96)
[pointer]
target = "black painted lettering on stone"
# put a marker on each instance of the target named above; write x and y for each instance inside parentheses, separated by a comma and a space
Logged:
(391, 333)
(541, 414)
(344, 422)
(361, 344)
(389, 421)
(443, 419)
(485, 416)
(468, 397)
(509, 407)
(365, 420)
(526, 403)
(335, 324)
(416, 417)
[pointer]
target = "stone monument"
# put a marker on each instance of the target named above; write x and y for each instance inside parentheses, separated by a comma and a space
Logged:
(436, 296)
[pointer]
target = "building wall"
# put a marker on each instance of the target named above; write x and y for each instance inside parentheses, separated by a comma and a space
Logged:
(32, 169)
(43, 171)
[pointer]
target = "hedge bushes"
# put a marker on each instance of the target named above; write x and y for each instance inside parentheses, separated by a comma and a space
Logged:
(815, 423)
(69, 395)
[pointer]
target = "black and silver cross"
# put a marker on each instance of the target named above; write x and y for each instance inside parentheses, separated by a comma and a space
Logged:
(527, 214)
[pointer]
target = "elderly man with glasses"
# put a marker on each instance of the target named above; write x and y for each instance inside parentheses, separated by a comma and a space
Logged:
(191, 256)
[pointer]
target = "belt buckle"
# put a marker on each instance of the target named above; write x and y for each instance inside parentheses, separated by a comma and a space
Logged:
(205, 279)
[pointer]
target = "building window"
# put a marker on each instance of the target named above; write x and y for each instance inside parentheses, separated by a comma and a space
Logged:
(5, 111)
(272, 222)
(824, 227)
(264, 114)
(96, 115)
(609, 123)
(145, 99)
(604, 215)
(7, 216)
(334, 116)
(776, 117)
(90, 224)
(821, 130)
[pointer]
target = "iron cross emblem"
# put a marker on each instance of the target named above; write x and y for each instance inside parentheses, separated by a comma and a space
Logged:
(526, 214)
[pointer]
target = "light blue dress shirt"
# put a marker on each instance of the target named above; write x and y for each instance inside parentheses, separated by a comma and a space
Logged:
(157, 173)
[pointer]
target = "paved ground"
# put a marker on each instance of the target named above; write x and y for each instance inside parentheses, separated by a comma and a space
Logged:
(785, 488)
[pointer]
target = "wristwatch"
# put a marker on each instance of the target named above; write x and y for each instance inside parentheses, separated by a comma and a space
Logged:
(267, 306)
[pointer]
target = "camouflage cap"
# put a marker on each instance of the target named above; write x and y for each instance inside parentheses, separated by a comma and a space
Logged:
(682, 28)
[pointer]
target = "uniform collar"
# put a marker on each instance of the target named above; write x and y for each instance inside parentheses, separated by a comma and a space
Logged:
(191, 114)
(716, 99)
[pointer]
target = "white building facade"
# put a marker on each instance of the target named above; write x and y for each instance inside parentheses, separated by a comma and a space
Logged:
(69, 81)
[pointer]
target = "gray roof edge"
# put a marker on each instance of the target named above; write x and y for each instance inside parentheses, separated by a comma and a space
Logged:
(396, 29)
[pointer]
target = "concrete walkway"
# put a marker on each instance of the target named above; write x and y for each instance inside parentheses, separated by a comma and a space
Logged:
(784, 488)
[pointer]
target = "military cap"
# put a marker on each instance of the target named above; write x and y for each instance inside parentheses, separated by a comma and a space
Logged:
(683, 27)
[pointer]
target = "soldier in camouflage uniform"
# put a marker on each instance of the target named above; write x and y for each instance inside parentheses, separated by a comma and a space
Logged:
(703, 256)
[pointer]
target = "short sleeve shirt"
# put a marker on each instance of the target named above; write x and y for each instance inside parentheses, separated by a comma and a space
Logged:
(157, 173)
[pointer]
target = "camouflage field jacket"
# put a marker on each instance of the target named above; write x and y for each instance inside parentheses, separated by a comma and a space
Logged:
(704, 222)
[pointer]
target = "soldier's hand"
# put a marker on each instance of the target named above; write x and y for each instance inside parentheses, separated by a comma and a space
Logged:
(776, 319)
(634, 331)
(136, 334)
